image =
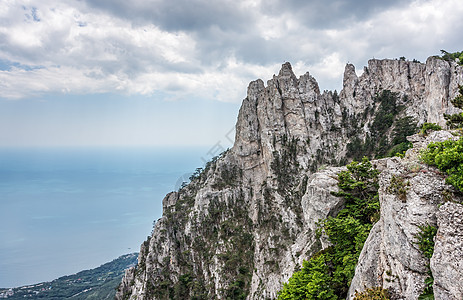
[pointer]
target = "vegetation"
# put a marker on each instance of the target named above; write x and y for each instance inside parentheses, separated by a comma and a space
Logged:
(377, 143)
(455, 56)
(383, 120)
(359, 187)
(98, 283)
(286, 168)
(229, 176)
(376, 293)
(456, 120)
(220, 235)
(285, 165)
(398, 187)
(447, 156)
(327, 274)
(399, 150)
(403, 127)
(426, 127)
(425, 241)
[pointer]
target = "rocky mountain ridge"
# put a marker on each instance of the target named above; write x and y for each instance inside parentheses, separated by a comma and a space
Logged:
(247, 221)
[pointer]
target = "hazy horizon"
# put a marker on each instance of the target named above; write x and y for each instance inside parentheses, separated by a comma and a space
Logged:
(104, 75)
(65, 210)
(99, 73)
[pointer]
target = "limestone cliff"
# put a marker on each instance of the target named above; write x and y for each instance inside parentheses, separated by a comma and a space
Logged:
(247, 221)
(391, 258)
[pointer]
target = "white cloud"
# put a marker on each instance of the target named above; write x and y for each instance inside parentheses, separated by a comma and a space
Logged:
(72, 47)
(328, 71)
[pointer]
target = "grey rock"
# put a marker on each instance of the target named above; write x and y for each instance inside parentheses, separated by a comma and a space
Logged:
(126, 286)
(266, 188)
(447, 260)
(318, 203)
(390, 257)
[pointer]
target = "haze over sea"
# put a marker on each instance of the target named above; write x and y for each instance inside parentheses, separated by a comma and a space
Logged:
(63, 210)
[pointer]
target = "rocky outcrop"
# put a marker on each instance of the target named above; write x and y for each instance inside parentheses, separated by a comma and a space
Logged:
(428, 86)
(248, 219)
(447, 260)
(126, 286)
(412, 194)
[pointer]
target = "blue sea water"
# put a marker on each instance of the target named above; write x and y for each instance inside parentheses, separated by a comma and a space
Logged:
(63, 210)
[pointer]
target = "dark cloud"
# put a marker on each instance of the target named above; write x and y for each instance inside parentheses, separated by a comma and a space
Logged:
(183, 15)
(249, 48)
(134, 42)
(224, 28)
(322, 14)
(220, 29)
(199, 15)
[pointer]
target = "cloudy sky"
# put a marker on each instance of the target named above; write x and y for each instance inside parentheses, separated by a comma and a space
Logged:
(173, 72)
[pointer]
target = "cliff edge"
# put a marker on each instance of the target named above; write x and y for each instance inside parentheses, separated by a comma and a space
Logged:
(247, 220)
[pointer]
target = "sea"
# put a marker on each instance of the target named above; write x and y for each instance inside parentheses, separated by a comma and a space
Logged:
(63, 210)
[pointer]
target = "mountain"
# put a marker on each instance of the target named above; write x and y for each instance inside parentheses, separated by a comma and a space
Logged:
(247, 221)
(99, 283)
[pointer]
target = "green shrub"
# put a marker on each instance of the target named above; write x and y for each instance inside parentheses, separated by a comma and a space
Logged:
(455, 56)
(447, 156)
(377, 143)
(425, 241)
(403, 127)
(428, 292)
(399, 150)
(429, 126)
(359, 188)
(398, 187)
(311, 282)
(328, 274)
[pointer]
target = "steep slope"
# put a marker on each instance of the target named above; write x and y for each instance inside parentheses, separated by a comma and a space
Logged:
(413, 194)
(247, 221)
(98, 283)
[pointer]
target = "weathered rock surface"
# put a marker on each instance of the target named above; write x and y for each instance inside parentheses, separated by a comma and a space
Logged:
(390, 258)
(447, 260)
(248, 220)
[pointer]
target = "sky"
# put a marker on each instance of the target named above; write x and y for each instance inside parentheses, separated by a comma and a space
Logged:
(174, 72)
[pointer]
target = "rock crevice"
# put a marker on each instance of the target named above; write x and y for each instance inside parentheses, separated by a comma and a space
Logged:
(248, 220)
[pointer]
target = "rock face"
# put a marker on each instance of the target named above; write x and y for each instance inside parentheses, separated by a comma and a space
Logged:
(248, 220)
(390, 258)
(447, 261)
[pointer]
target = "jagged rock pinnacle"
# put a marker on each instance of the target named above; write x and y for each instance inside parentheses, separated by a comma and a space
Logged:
(286, 69)
(267, 190)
